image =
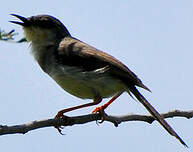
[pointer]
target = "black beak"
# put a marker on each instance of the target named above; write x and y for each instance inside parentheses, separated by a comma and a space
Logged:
(25, 21)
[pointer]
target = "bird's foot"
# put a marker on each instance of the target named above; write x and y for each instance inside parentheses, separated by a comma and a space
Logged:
(60, 114)
(101, 111)
(65, 119)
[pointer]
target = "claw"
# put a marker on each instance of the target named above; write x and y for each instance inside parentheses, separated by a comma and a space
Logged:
(102, 112)
(59, 128)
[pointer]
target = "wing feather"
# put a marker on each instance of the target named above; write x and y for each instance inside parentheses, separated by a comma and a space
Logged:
(77, 53)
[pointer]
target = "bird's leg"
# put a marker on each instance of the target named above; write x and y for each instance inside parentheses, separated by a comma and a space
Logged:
(103, 107)
(60, 113)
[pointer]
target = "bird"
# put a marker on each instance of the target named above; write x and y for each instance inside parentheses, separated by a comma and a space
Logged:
(81, 69)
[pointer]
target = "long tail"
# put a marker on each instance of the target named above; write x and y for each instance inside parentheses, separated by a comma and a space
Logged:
(155, 114)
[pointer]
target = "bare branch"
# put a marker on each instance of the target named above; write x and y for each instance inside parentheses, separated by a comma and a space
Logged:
(69, 121)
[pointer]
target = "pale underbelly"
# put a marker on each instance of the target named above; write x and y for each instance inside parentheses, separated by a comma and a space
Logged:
(88, 85)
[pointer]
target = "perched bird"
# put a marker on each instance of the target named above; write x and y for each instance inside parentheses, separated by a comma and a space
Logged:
(81, 69)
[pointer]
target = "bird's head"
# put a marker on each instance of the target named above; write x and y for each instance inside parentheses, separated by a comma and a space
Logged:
(42, 28)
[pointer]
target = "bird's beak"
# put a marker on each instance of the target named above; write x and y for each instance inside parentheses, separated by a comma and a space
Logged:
(25, 21)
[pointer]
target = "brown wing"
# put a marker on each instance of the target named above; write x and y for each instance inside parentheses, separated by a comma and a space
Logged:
(76, 53)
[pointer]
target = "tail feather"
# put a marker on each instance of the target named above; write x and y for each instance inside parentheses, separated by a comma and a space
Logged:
(155, 114)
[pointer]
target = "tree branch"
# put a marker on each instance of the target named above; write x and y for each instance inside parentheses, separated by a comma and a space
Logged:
(69, 121)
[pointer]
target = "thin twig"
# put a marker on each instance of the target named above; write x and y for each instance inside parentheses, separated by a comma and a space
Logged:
(69, 121)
